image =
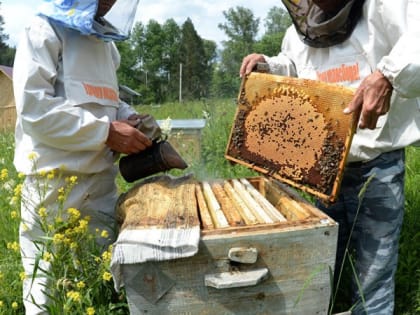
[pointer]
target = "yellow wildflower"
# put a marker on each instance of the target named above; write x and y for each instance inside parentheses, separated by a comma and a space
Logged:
(104, 234)
(18, 190)
(47, 256)
(24, 227)
(15, 305)
(4, 174)
(51, 175)
(73, 213)
(73, 245)
(32, 156)
(13, 214)
(21, 175)
(90, 311)
(73, 179)
(22, 275)
(83, 223)
(74, 295)
(58, 238)
(42, 212)
(13, 246)
(106, 276)
(106, 256)
(1, 304)
(80, 285)
(42, 173)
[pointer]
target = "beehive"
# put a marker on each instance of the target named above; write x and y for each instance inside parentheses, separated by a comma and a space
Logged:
(293, 130)
(263, 250)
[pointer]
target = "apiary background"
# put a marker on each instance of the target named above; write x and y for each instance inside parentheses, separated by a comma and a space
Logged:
(294, 255)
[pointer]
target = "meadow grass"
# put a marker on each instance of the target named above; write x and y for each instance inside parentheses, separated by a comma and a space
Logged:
(212, 164)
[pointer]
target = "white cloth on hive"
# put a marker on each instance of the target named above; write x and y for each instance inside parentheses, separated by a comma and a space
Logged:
(138, 246)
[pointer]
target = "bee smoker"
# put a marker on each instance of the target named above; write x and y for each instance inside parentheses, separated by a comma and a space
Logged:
(160, 157)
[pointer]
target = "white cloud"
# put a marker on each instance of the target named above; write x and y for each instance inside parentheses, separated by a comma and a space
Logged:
(205, 14)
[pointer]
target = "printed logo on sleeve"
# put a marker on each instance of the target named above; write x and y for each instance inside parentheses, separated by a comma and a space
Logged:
(101, 92)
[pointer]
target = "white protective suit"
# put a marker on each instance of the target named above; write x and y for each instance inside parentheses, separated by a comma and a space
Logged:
(66, 93)
(386, 38)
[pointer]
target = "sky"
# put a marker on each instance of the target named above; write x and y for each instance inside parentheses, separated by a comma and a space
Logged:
(205, 14)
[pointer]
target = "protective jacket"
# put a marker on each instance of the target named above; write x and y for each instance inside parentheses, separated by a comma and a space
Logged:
(385, 39)
(66, 94)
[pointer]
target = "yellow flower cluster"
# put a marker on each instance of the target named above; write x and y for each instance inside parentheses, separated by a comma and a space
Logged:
(106, 257)
(18, 190)
(13, 246)
(106, 276)
(47, 257)
(74, 296)
(32, 156)
(22, 275)
(80, 285)
(74, 214)
(4, 174)
(42, 212)
(90, 311)
(14, 214)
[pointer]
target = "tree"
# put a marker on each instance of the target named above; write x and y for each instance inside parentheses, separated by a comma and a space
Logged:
(6, 53)
(277, 21)
(276, 24)
(171, 58)
(194, 64)
(241, 28)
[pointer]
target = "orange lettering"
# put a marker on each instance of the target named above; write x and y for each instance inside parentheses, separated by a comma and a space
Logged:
(340, 74)
(101, 92)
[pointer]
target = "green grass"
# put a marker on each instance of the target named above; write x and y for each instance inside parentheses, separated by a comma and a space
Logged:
(219, 118)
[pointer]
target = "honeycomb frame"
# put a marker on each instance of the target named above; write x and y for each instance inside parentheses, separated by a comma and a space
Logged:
(293, 130)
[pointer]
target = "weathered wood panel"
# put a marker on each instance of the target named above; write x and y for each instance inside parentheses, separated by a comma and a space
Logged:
(298, 262)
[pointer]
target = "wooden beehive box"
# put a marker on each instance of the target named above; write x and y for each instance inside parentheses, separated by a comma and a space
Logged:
(293, 130)
(271, 256)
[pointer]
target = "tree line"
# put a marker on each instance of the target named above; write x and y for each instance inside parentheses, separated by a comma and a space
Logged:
(169, 62)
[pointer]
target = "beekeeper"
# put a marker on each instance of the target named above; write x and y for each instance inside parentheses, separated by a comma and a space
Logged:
(70, 118)
(373, 46)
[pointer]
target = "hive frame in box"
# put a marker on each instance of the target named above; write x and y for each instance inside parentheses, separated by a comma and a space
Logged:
(293, 130)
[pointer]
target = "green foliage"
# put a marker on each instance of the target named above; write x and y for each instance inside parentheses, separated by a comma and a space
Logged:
(7, 54)
(241, 28)
(408, 273)
(194, 63)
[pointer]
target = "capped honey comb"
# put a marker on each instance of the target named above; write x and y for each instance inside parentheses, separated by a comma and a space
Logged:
(293, 130)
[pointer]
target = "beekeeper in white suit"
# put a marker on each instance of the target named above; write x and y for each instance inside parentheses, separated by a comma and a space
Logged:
(70, 118)
(373, 46)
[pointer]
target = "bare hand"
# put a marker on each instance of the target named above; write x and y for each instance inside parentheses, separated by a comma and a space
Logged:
(372, 99)
(123, 137)
(249, 62)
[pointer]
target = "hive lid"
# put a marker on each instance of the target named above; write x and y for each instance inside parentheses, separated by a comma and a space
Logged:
(293, 130)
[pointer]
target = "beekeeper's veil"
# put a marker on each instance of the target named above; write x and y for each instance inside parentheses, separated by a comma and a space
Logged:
(80, 15)
(319, 28)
